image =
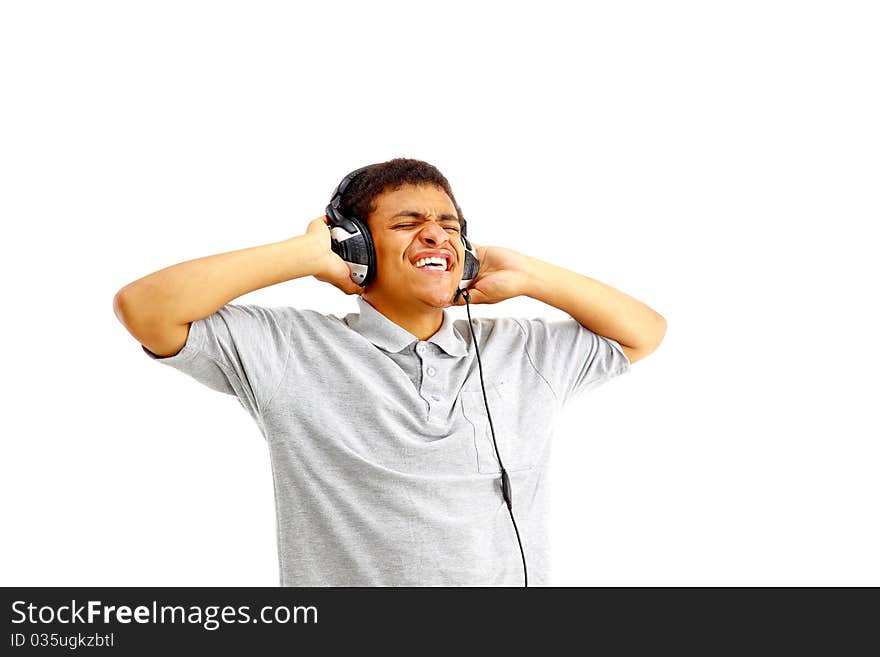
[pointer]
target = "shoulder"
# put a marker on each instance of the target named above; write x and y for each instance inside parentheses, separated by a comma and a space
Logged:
(289, 314)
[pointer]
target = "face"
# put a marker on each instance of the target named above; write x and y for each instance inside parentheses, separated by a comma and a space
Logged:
(409, 224)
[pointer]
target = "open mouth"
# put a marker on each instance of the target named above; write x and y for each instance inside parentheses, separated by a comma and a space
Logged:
(434, 265)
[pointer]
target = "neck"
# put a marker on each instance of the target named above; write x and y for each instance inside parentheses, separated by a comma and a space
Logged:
(420, 319)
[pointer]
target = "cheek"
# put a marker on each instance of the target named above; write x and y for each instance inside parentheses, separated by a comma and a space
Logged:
(390, 254)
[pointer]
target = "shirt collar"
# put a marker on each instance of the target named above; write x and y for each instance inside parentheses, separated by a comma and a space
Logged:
(387, 335)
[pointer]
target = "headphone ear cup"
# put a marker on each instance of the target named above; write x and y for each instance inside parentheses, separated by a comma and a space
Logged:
(355, 247)
(369, 251)
(471, 264)
(350, 238)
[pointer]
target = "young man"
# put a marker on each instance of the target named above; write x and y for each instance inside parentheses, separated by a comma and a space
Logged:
(385, 461)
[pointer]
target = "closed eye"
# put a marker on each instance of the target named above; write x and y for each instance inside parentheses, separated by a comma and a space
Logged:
(449, 228)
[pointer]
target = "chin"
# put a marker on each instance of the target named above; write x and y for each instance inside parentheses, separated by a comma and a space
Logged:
(437, 299)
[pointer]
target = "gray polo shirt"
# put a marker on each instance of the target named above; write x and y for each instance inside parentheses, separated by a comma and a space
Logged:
(381, 452)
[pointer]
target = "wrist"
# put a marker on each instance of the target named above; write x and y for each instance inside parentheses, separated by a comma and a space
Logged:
(306, 254)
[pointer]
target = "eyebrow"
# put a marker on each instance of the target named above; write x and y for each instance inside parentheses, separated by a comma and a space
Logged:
(419, 215)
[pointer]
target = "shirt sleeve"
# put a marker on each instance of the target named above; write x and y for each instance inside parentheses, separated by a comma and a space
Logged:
(570, 357)
(239, 350)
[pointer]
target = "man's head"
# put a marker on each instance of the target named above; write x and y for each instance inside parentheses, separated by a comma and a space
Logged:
(412, 213)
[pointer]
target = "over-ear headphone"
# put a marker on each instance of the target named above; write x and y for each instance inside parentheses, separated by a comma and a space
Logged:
(351, 240)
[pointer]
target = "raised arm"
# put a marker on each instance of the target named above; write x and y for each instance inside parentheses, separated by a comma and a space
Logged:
(505, 273)
(158, 309)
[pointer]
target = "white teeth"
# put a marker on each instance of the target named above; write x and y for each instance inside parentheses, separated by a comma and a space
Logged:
(433, 260)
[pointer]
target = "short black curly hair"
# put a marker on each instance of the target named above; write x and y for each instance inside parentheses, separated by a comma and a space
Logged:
(388, 176)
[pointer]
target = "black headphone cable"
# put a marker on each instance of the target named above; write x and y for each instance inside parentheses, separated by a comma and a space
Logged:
(505, 480)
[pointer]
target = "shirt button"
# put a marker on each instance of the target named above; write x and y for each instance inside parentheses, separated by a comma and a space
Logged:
(421, 348)
(431, 371)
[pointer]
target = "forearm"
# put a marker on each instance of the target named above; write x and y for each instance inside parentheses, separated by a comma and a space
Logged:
(197, 288)
(597, 306)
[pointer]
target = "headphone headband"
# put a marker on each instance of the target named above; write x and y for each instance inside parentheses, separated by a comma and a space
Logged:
(336, 198)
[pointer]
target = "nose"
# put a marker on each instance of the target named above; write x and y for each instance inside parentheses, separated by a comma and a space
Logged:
(433, 234)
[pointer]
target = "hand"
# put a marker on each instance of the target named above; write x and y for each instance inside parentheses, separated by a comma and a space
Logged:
(329, 267)
(503, 275)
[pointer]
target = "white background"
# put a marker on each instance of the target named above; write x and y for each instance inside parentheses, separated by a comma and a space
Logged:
(718, 161)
